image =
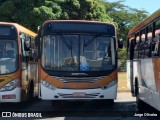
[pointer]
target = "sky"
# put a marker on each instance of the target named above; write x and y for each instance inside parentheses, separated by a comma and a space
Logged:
(149, 5)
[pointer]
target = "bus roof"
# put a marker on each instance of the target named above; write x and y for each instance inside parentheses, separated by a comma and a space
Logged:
(80, 21)
(68, 26)
(145, 22)
(20, 28)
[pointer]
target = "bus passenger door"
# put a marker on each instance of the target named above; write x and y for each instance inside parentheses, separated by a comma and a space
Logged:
(24, 65)
(130, 66)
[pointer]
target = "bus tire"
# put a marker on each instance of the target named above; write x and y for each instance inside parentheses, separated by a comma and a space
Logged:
(31, 91)
(139, 102)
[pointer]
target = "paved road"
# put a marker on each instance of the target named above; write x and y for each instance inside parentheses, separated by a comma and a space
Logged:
(123, 109)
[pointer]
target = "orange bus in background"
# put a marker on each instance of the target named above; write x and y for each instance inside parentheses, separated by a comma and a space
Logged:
(18, 63)
(78, 61)
(143, 61)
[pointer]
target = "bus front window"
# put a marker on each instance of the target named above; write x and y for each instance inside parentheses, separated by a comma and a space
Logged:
(98, 53)
(78, 53)
(8, 56)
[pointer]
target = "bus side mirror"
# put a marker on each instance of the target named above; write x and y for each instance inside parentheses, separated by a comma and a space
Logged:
(120, 43)
(26, 41)
(27, 45)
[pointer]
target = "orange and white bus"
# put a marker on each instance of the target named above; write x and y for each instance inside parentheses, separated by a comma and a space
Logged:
(78, 60)
(143, 64)
(18, 63)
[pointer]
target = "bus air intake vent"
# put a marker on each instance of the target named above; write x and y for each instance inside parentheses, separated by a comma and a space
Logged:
(80, 79)
(93, 95)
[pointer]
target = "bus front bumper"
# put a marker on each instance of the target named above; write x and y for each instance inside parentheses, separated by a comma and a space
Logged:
(79, 94)
(10, 96)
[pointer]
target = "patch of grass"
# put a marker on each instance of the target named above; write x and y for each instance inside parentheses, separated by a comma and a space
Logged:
(122, 82)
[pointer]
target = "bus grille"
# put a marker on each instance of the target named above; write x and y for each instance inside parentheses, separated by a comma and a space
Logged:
(93, 95)
(80, 79)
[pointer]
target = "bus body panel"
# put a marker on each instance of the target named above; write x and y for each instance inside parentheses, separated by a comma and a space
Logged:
(156, 68)
(146, 48)
(150, 97)
(33, 75)
(69, 94)
(147, 74)
(70, 86)
(129, 69)
(20, 92)
(11, 96)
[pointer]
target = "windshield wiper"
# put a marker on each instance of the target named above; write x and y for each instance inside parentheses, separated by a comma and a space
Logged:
(63, 39)
(90, 41)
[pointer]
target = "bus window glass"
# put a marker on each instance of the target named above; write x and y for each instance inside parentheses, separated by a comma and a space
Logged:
(157, 28)
(157, 39)
(5, 31)
(136, 47)
(61, 53)
(142, 44)
(8, 56)
(143, 35)
(147, 46)
(149, 33)
(103, 53)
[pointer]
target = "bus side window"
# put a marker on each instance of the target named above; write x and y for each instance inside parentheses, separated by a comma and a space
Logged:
(140, 49)
(131, 47)
(136, 47)
(142, 44)
(147, 49)
(156, 40)
(148, 43)
(25, 47)
(33, 50)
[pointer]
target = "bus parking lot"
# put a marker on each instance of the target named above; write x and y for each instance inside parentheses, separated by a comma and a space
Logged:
(124, 108)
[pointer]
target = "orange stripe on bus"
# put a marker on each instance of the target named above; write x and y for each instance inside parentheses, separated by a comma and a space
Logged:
(4, 79)
(73, 85)
(156, 67)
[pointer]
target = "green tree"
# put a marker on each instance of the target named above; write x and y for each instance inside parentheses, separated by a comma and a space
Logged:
(125, 17)
(69, 10)
(18, 11)
(49, 10)
(85, 10)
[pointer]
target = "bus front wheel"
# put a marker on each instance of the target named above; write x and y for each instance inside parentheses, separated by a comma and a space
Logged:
(139, 102)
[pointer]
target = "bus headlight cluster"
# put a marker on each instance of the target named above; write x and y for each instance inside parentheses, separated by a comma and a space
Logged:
(10, 86)
(109, 85)
(48, 85)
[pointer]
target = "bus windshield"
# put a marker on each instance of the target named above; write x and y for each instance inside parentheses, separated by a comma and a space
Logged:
(8, 56)
(72, 52)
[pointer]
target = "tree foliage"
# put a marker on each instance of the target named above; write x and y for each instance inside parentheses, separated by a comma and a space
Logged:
(32, 13)
(125, 17)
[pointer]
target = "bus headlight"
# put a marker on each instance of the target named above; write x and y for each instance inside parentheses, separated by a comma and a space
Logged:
(109, 85)
(48, 85)
(10, 86)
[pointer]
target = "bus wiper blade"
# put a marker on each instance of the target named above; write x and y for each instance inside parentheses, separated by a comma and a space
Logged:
(63, 39)
(90, 41)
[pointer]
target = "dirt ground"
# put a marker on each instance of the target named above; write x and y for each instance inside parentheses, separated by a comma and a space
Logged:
(122, 82)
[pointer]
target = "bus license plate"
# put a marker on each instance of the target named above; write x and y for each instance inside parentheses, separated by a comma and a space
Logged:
(79, 94)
